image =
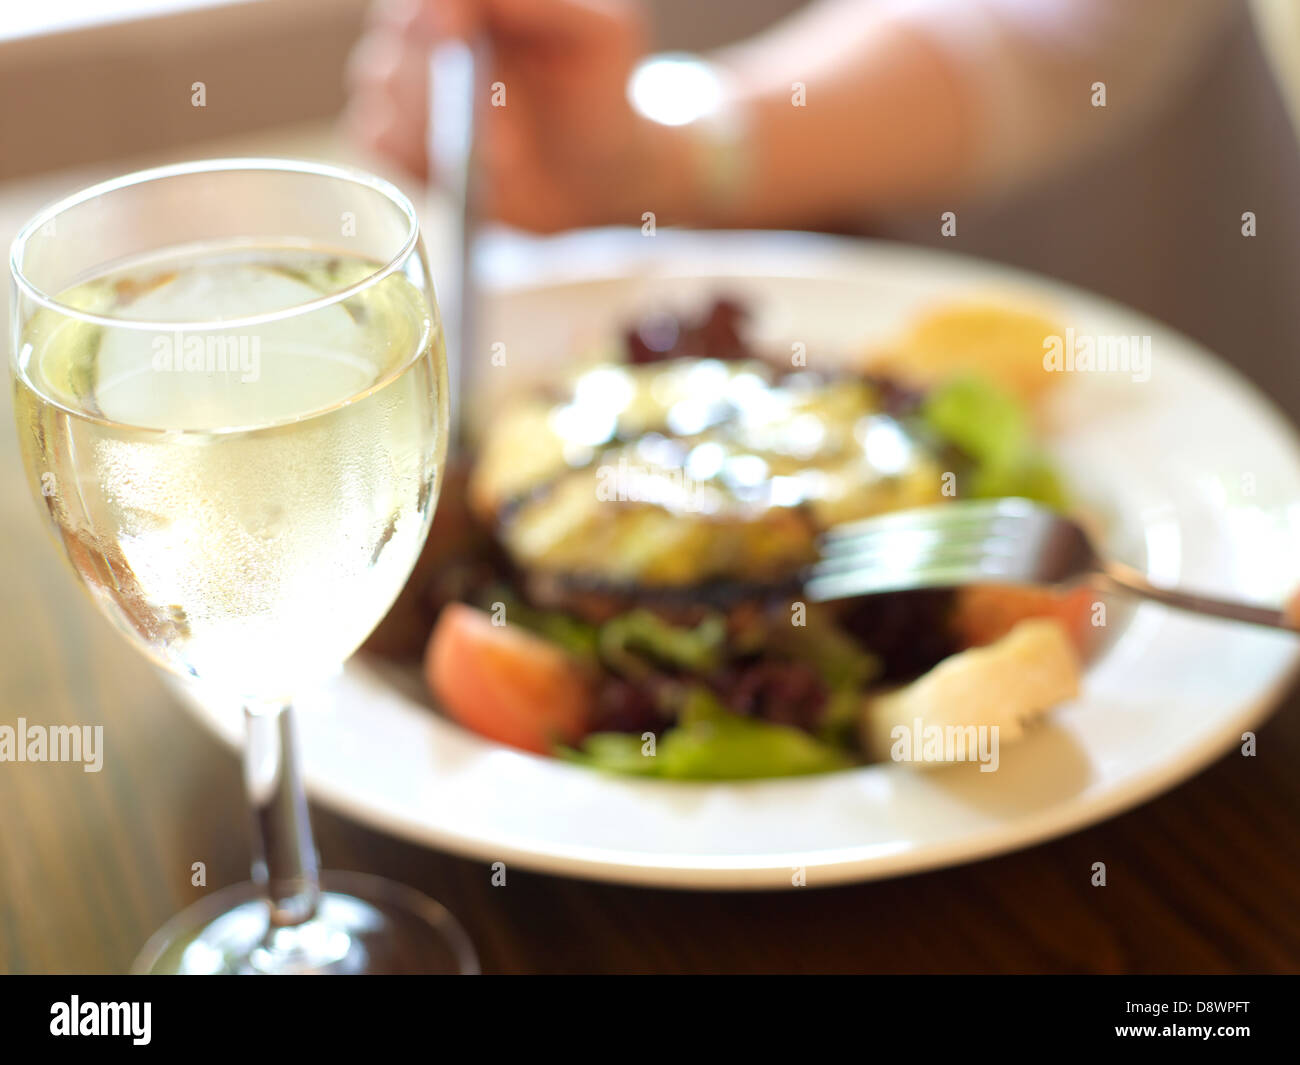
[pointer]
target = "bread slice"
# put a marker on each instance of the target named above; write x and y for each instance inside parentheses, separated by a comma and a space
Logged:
(1001, 341)
(1006, 684)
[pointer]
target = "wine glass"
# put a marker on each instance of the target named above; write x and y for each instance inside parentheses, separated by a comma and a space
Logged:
(230, 387)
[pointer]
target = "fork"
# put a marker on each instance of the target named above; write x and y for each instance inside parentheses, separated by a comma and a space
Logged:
(457, 78)
(997, 541)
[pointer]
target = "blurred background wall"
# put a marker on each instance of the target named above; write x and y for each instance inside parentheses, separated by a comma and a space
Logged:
(87, 80)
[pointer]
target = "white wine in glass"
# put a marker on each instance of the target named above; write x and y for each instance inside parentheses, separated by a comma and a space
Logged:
(230, 387)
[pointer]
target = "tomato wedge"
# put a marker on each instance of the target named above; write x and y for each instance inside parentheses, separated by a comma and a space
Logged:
(506, 683)
(983, 613)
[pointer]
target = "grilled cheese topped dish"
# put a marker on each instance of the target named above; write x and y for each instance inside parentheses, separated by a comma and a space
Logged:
(619, 581)
(693, 470)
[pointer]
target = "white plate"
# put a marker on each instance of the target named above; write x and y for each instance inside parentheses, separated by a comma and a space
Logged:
(1200, 477)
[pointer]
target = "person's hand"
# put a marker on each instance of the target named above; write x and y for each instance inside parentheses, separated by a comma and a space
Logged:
(560, 144)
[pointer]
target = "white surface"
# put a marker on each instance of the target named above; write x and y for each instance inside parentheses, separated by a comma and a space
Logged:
(1166, 461)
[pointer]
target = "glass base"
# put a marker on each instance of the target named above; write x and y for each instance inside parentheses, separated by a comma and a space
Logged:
(364, 925)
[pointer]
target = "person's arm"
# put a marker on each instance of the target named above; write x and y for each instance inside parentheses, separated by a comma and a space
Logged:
(926, 100)
(847, 107)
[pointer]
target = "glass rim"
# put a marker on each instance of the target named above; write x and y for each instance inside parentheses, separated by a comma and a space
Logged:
(198, 166)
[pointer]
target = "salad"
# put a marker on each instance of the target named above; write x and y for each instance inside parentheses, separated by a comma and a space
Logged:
(615, 578)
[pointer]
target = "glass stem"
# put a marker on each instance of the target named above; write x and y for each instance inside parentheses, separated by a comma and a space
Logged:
(285, 864)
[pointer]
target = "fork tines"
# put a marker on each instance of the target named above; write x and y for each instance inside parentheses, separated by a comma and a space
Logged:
(938, 546)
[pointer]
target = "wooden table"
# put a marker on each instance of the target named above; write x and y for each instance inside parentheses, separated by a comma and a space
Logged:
(1203, 879)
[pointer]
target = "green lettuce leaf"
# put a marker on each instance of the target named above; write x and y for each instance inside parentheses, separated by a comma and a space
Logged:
(993, 429)
(625, 640)
(710, 743)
